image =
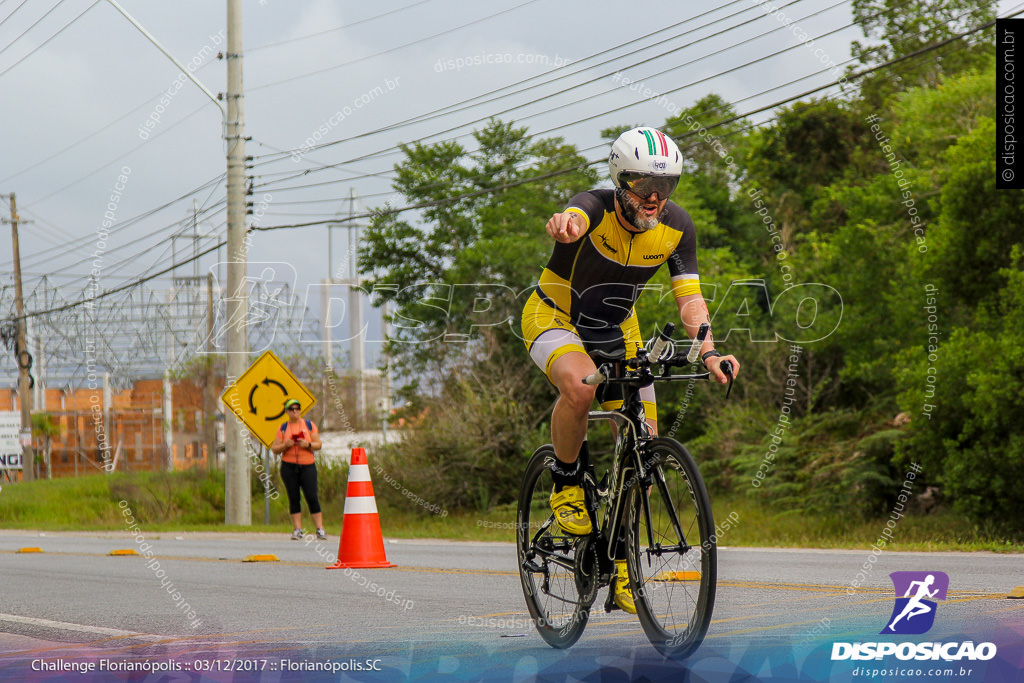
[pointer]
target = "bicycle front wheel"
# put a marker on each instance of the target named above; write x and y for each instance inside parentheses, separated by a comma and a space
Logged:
(558, 571)
(671, 553)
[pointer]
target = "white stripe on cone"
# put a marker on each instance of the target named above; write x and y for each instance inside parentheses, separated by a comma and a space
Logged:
(360, 505)
(359, 473)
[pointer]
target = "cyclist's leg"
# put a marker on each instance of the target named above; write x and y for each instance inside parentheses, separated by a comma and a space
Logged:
(569, 417)
(556, 348)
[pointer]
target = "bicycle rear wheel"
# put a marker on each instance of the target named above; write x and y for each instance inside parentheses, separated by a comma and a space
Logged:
(558, 571)
(671, 552)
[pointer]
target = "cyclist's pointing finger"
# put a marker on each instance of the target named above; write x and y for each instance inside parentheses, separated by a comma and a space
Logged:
(555, 227)
(572, 228)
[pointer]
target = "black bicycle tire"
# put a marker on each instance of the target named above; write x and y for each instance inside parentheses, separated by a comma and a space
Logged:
(567, 635)
(667, 642)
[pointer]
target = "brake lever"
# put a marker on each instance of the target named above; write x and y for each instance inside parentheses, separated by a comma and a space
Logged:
(726, 368)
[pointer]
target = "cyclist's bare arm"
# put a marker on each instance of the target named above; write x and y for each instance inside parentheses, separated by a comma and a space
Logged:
(566, 227)
(693, 312)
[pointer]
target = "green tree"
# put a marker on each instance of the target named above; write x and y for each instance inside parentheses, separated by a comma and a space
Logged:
(712, 164)
(811, 146)
(896, 28)
(43, 428)
(968, 420)
(478, 243)
(962, 380)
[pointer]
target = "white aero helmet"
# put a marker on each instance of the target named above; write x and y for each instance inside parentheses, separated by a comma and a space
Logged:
(644, 161)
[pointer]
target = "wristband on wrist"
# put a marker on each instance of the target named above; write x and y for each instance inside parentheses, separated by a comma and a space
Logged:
(704, 357)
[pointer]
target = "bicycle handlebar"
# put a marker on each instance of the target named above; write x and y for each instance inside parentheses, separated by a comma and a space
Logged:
(662, 341)
(644, 360)
(698, 341)
(597, 377)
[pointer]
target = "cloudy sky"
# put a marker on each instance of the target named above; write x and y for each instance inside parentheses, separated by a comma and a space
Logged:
(92, 109)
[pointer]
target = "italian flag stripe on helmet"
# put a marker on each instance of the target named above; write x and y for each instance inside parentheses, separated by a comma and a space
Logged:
(650, 141)
(652, 146)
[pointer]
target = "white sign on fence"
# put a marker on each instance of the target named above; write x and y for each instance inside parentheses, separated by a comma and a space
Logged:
(10, 462)
(10, 440)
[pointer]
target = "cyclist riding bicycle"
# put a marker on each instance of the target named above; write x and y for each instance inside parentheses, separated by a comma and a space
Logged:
(608, 245)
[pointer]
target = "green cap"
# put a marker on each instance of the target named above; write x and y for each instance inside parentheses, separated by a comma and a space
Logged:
(289, 402)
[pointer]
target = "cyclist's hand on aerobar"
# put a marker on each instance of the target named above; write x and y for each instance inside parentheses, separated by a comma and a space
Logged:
(714, 364)
(565, 227)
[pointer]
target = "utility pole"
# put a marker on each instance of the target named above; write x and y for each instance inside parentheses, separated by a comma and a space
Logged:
(209, 395)
(24, 358)
(353, 309)
(237, 503)
(357, 350)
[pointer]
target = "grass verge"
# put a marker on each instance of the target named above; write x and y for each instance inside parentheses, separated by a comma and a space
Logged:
(194, 501)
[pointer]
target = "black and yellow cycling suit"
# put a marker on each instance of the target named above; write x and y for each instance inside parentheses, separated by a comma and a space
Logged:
(592, 284)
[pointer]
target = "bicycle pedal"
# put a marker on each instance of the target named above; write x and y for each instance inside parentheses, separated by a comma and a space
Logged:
(609, 603)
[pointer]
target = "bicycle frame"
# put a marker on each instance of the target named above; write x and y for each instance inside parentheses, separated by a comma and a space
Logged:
(633, 434)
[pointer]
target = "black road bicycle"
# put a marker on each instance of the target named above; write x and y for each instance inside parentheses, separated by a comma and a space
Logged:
(653, 499)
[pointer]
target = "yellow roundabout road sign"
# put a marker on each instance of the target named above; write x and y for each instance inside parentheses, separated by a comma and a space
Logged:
(258, 397)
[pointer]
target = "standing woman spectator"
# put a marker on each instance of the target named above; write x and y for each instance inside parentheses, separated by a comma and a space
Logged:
(296, 442)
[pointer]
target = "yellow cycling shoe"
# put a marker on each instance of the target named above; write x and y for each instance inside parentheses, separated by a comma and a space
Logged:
(623, 595)
(571, 511)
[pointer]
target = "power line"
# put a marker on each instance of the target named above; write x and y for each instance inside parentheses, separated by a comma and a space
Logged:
(453, 108)
(336, 28)
(389, 50)
(391, 151)
(13, 12)
(455, 198)
(75, 245)
(43, 44)
(396, 149)
(34, 24)
(134, 283)
(122, 156)
(94, 133)
(76, 144)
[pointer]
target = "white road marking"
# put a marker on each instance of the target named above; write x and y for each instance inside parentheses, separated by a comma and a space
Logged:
(82, 628)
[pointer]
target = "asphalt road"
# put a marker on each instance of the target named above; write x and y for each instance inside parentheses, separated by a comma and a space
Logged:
(448, 611)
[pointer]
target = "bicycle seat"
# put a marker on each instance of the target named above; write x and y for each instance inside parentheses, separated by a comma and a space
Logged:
(607, 355)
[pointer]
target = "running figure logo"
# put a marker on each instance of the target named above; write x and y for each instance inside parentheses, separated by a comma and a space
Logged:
(914, 613)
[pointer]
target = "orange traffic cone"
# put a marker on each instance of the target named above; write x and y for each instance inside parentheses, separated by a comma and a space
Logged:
(362, 544)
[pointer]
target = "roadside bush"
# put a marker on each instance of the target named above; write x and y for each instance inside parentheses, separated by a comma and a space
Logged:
(190, 497)
(469, 443)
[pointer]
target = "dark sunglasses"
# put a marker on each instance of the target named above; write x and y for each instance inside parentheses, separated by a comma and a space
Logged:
(643, 185)
(294, 407)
